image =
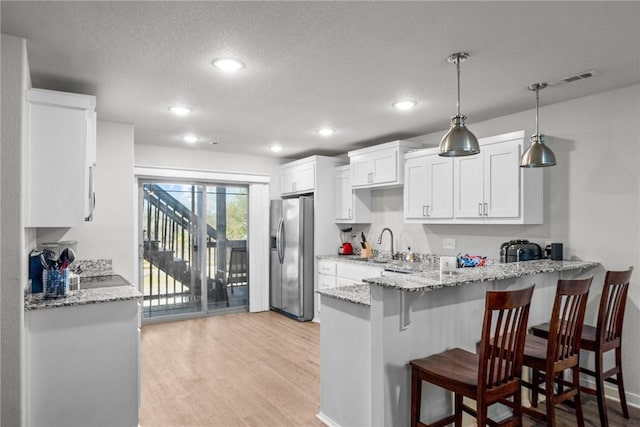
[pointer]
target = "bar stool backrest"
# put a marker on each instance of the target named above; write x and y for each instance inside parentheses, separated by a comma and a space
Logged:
(502, 342)
(567, 318)
(612, 305)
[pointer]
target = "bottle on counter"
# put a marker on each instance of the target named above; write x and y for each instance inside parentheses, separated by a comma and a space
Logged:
(410, 255)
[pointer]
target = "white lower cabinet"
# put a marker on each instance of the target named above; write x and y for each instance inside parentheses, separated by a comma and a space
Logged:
(487, 188)
(83, 367)
(333, 274)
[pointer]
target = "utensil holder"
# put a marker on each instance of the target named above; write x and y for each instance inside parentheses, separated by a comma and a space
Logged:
(55, 283)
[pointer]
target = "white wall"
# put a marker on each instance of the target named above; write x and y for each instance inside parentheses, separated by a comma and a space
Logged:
(591, 199)
(185, 158)
(16, 240)
(111, 233)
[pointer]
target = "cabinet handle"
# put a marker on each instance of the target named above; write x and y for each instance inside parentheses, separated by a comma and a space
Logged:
(293, 187)
(370, 177)
(92, 197)
(480, 213)
(428, 206)
(349, 213)
(424, 210)
(486, 209)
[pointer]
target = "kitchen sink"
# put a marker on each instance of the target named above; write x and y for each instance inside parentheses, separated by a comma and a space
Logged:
(103, 282)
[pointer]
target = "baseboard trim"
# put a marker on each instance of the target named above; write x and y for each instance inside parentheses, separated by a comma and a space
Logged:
(326, 420)
(611, 392)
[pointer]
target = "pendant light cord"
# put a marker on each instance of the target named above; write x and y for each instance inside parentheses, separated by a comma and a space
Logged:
(458, 68)
(537, 104)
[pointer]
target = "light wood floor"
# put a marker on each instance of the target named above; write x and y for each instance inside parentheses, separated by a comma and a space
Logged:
(254, 369)
(243, 369)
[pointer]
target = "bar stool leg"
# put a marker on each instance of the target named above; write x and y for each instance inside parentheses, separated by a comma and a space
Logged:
(576, 399)
(416, 396)
(549, 401)
(620, 381)
(458, 410)
(602, 402)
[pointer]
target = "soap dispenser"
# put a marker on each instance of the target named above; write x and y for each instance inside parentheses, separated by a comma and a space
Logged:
(410, 256)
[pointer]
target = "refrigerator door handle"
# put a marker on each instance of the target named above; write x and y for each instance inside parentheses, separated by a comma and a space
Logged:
(279, 240)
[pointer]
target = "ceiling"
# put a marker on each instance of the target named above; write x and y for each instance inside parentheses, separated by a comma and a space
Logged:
(316, 64)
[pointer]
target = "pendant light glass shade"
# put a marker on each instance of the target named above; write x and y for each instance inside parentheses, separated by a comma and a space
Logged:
(458, 141)
(538, 155)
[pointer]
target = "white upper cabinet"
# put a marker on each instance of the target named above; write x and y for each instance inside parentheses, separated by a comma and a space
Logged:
(61, 147)
(380, 165)
(351, 206)
(487, 188)
(428, 186)
(298, 177)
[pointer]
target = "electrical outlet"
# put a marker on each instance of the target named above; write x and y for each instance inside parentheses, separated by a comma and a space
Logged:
(449, 243)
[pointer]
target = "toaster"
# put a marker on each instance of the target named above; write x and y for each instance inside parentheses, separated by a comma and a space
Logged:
(520, 250)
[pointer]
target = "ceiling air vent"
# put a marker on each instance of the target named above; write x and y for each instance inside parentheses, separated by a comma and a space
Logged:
(573, 78)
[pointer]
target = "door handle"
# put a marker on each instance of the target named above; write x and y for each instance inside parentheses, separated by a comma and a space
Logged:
(280, 241)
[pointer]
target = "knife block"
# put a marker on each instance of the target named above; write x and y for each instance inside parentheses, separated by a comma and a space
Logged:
(367, 252)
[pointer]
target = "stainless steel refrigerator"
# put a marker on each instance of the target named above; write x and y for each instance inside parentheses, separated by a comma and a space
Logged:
(292, 258)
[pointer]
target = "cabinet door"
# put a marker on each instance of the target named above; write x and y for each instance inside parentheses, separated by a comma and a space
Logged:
(326, 281)
(468, 186)
(502, 179)
(298, 179)
(415, 188)
(57, 160)
(360, 170)
(344, 195)
(384, 165)
(89, 187)
(305, 178)
(287, 181)
(439, 187)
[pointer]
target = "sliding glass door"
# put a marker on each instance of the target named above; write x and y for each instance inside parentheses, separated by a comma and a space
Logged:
(193, 240)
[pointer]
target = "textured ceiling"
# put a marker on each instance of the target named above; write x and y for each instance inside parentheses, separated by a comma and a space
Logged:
(314, 64)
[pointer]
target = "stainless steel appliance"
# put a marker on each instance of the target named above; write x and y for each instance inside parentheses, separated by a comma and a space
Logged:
(519, 250)
(292, 257)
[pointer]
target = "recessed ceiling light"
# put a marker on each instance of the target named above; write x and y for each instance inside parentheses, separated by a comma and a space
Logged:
(228, 64)
(190, 139)
(276, 148)
(326, 131)
(180, 111)
(405, 105)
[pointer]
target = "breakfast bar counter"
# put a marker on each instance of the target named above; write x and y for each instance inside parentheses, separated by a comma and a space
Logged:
(365, 348)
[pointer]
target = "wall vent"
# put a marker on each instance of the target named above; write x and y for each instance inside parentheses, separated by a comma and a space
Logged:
(573, 78)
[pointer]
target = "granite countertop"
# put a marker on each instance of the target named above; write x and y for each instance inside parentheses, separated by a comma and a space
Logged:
(430, 280)
(382, 262)
(357, 294)
(426, 277)
(93, 290)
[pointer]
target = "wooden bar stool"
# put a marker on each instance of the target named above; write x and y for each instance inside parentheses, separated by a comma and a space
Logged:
(489, 377)
(604, 337)
(550, 357)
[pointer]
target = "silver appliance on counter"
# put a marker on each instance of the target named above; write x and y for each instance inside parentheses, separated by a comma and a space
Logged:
(520, 250)
(292, 257)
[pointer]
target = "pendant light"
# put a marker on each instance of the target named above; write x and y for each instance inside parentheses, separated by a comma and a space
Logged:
(538, 155)
(458, 141)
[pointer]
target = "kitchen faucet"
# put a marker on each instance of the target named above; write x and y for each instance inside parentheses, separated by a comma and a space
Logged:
(380, 238)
